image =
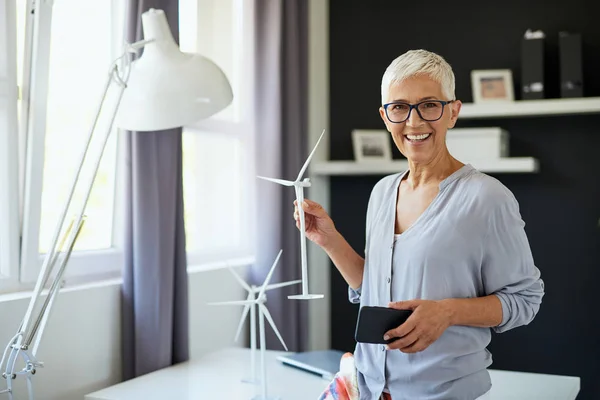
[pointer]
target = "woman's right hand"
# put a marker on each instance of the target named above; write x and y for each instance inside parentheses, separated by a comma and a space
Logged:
(319, 227)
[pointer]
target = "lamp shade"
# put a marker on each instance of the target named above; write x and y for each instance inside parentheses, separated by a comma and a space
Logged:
(168, 88)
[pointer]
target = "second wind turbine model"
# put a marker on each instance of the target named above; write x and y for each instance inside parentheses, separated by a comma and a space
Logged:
(259, 301)
(253, 290)
(299, 184)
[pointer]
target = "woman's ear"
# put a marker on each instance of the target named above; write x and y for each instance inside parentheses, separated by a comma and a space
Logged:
(384, 118)
(455, 108)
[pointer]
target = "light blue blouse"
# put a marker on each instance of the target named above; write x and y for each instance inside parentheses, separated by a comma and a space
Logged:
(470, 242)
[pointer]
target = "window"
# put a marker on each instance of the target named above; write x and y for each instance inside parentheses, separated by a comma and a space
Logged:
(218, 153)
(59, 56)
(9, 199)
(75, 45)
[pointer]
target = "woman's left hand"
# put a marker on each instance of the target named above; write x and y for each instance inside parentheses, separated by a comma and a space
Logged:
(425, 325)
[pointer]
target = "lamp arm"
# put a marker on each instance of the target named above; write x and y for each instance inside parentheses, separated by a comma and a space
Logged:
(27, 332)
(53, 292)
(20, 343)
(46, 266)
(79, 218)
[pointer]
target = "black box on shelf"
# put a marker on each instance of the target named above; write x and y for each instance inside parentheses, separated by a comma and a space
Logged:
(571, 69)
(532, 68)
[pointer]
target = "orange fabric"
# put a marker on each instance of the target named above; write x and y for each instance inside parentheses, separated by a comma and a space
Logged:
(344, 385)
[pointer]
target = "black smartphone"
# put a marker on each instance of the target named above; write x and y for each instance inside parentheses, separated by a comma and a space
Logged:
(373, 322)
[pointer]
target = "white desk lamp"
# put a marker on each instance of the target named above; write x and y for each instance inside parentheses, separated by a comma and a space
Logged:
(163, 89)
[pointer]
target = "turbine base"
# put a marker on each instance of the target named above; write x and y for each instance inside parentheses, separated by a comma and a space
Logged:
(306, 296)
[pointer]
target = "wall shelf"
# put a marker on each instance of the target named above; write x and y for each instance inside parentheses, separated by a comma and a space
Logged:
(506, 165)
(531, 108)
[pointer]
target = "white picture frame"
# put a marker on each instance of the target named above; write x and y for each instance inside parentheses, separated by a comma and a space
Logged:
(492, 86)
(371, 145)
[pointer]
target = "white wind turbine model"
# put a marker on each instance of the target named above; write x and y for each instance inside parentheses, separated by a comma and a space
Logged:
(251, 309)
(263, 313)
(299, 184)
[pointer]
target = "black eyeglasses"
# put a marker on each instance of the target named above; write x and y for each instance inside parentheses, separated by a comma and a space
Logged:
(428, 110)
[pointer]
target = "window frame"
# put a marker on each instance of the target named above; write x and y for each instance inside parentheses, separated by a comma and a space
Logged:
(9, 185)
(83, 265)
(240, 127)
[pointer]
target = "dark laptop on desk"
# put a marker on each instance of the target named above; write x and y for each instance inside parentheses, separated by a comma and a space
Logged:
(325, 363)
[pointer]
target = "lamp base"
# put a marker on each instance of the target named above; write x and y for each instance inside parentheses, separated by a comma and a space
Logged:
(306, 296)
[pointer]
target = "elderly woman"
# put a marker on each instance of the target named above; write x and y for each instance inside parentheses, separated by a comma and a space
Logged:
(443, 240)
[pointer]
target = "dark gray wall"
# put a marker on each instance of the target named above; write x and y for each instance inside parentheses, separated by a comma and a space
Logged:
(560, 205)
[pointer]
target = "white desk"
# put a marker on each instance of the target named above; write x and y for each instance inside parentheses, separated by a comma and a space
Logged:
(218, 376)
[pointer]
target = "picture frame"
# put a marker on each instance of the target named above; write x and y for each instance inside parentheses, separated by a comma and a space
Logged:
(371, 145)
(492, 86)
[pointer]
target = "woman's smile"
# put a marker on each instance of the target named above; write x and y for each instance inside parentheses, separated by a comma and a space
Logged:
(417, 139)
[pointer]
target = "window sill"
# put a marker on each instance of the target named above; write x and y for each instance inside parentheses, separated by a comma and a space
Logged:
(210, 266)
(98, 282)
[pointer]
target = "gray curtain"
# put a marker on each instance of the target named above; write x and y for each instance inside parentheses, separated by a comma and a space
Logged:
(282, 120)
(155, 283)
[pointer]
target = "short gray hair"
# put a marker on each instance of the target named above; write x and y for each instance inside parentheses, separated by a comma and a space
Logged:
(419, 62)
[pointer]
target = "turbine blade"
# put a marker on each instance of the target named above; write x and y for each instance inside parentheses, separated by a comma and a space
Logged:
(267, 314)
(269, 275)
(280, 181)
(239, 279)
(232, 303)
(309, 157)
(242, 320)
(280, 285)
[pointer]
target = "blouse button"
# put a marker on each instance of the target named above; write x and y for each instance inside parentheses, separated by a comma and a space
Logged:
(389, 279)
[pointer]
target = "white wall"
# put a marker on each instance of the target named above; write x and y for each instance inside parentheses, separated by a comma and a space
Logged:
(81, 346)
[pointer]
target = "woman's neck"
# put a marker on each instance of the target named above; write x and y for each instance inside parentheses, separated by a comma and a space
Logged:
(432, 172)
